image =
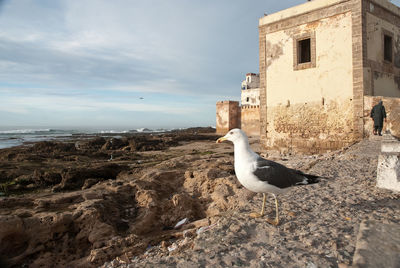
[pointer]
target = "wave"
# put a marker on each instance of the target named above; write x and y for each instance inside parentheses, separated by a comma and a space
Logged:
(33, 131)
(24, 131)
(113, 131)
(50, 131)
(138, 130)
(144, 130)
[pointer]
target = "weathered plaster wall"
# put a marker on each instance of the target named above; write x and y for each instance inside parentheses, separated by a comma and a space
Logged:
(386, 84)
(381, 78)
(250, 120)
(310, 109)
(392, 106)
(227, 116)
(332, 76)
(375, 25)
(250, 96)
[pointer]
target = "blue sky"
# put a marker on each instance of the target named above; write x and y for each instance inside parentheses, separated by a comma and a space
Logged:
(125, 64)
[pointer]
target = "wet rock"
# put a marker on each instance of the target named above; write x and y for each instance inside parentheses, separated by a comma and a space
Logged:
(91, 144)
(89, 183)
(50, 147)
(46, 178)
(114, 144)
(75, 178)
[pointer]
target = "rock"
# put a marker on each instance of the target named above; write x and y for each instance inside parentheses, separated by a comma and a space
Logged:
(13, 238)
(75, 178)
(114, 144)
(164, 244)
(51, 147)
(92, 144)
(89, 183)
(47, 178)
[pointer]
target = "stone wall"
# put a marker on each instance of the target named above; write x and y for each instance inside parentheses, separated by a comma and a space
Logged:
(227, 116)
(310, 127)
(392, 106)
(231, 115)
(250, 119)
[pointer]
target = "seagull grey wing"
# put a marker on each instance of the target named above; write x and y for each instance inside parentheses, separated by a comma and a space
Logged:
(276, 174)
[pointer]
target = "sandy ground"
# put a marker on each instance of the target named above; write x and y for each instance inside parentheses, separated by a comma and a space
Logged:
(319, 223)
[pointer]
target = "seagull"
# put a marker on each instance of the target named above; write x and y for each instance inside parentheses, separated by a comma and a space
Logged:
(261, 175)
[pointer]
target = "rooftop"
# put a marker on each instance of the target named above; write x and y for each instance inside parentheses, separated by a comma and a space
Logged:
(315, 5)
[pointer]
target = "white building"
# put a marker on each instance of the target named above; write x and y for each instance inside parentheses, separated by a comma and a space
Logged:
(251, 90)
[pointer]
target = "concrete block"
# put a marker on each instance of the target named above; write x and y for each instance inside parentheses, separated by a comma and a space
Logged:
(390, 144)
(378, 245)
(388, 173)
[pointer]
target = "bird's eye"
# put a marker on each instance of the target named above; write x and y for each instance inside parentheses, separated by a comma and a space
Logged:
(231, 133)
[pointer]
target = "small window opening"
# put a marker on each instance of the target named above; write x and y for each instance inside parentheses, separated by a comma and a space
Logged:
(387, 48)
(247, 99)
(304, 51)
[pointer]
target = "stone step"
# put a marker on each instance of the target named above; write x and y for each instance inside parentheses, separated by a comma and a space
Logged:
(378, 245)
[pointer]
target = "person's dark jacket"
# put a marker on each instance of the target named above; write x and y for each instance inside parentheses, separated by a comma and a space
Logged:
(378, 113)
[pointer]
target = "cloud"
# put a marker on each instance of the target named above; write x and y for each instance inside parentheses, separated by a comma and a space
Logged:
(95, 55)
(73, 104)
(121, 43)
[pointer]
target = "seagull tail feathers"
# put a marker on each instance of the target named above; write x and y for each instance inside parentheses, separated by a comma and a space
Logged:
(311, 178)
(308, 178)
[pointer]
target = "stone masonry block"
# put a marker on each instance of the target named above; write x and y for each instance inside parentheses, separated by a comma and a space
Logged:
(390, 144)
(388, 173)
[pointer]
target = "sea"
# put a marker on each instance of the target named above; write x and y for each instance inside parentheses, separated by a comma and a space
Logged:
(11, 137)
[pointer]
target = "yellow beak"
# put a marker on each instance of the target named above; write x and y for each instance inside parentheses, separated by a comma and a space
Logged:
(221, 140)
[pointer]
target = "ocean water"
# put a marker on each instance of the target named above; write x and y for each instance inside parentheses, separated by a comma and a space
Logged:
(17, 136)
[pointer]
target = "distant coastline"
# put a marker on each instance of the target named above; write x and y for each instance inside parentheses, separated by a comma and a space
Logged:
(12, 137)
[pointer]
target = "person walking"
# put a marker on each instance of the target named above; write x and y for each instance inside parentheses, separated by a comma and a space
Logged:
(378, 114)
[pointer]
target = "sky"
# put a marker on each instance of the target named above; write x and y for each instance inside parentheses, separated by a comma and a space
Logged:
(125, 63)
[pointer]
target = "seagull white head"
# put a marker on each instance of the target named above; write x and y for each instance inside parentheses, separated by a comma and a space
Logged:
(233, 135)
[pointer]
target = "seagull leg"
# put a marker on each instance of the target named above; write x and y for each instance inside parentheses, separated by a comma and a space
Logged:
(258, 215)
(276, 221)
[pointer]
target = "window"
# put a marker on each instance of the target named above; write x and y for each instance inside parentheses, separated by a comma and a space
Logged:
(387, 48)
(247, 99)
(304, 51)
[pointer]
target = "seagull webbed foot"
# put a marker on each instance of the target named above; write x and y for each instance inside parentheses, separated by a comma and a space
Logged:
(274, 222)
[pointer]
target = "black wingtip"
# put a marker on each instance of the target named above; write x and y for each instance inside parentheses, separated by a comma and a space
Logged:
(312, 178)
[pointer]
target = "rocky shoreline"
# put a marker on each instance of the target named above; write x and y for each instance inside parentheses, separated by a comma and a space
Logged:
(116, 203)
